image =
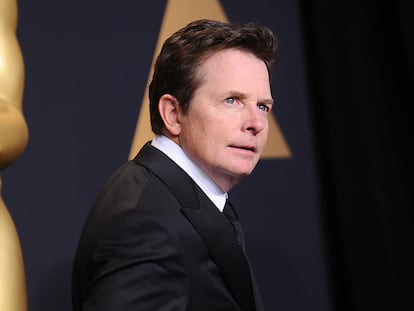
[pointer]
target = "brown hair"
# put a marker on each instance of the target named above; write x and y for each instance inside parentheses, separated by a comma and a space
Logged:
(175, 71)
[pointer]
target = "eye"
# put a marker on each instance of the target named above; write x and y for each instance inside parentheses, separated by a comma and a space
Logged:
(263, 107)
(230, 100)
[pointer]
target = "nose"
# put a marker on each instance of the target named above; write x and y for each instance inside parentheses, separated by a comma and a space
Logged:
(255, 119)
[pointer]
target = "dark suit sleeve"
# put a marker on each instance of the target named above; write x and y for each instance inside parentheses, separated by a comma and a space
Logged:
(137, 265)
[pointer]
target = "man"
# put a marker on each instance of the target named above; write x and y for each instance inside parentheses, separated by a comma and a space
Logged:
(159, 236)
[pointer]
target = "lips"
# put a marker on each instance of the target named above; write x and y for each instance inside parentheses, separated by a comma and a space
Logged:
(248, 148)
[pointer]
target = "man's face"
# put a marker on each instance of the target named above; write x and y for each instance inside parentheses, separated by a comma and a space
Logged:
(225, 128)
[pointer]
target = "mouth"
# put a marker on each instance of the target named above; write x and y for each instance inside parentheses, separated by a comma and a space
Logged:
(247, 148)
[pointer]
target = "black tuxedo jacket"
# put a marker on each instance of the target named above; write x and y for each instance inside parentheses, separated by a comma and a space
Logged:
(154, 241)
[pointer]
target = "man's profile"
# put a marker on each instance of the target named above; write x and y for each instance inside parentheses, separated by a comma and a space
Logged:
(162, 234)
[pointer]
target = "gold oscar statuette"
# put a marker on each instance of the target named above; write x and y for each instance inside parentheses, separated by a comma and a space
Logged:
(13, 140)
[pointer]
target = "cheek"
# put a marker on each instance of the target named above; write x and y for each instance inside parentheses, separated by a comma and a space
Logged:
(202, 144)
(194, 137)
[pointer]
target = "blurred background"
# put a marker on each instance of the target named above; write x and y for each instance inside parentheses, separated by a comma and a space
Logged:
(327, 229)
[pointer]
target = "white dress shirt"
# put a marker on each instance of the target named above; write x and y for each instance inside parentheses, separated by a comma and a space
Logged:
(177, 154)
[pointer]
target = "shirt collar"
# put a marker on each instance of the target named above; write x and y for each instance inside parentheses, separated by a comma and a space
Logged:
(177, 154)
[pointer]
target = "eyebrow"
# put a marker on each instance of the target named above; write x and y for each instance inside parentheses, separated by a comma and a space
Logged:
(268, 101)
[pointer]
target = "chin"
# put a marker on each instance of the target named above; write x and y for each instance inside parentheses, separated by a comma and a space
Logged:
(242, 172)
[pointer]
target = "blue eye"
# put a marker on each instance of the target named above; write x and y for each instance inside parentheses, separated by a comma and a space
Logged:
(230, 100)
(263, 107)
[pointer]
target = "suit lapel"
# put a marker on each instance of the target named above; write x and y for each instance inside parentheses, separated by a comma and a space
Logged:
(221, 240)
(179, 183)
(212, 226)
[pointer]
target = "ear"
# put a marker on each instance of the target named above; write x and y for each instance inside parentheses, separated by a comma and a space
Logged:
(169, 109)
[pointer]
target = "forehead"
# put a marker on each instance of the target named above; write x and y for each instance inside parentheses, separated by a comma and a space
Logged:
(234, 68)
